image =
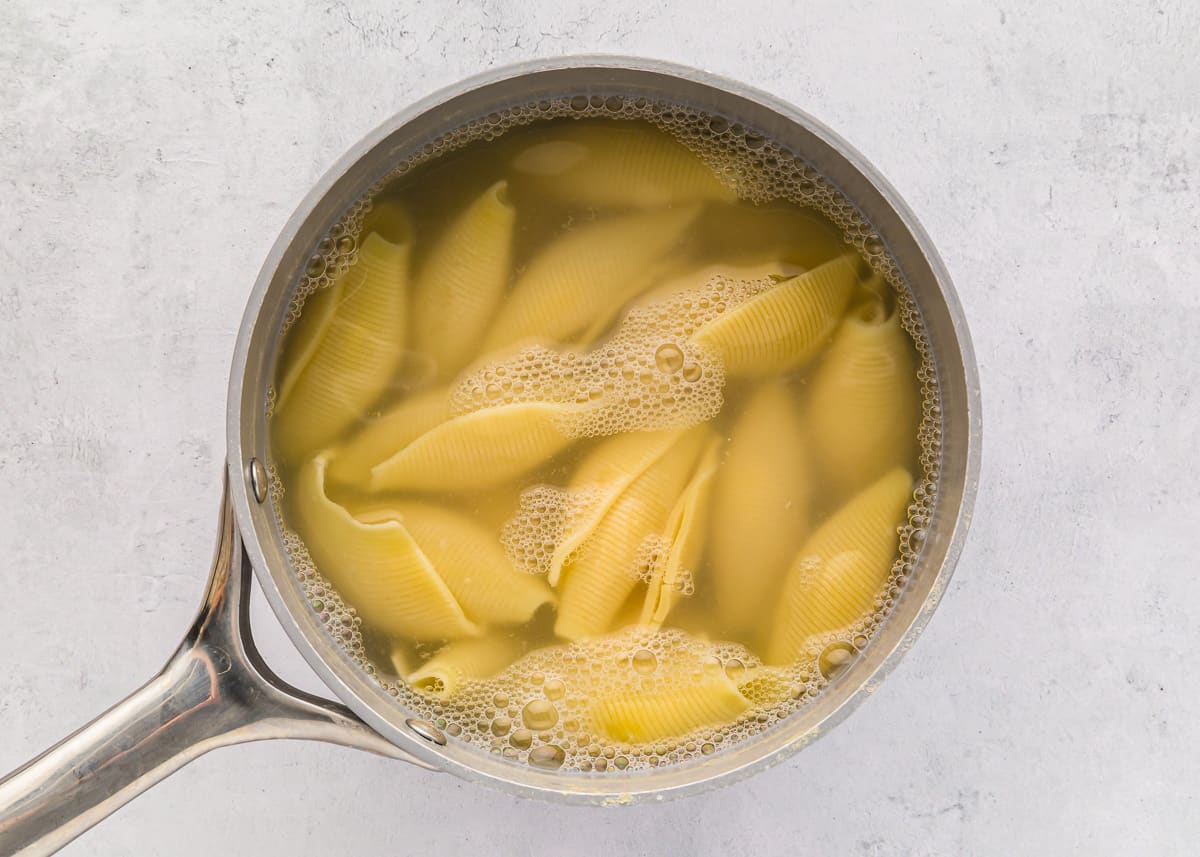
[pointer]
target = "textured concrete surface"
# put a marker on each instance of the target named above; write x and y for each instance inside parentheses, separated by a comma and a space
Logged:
(149, 152)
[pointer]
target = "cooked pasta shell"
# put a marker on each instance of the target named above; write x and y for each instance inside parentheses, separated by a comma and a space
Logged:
(610, 164)
(457, 290)
(357, 343)
(744, 234)
(700, 276)
(482, 449)
(786, 326)
(641, 716)
(461, 660)
(587, 275)
(598, 578)
(378, 568)
(685, 533)
(609, 469)
(382, 437)
(838, 573)
(689, 278)
(680, 280)
(761, 508)
(304, 338)
(471, 561)
(863, 407)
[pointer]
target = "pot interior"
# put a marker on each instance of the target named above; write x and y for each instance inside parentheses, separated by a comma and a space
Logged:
(595, 81)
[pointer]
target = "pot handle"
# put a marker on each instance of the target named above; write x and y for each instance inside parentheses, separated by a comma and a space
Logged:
(214, 691)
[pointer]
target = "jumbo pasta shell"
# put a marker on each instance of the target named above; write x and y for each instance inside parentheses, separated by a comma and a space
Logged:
(685, 536)
(638, 717)
(587, 275)
(462, 660)
(761, 508)
(744, 234)
(839, 572)
(598, 578)
(356, 343)
(481, 449)
(786, 326)
(610, 164)
(382, 437)
(471, 562)
(379, 569)
(608, 471)
(457, 290)
(863, 406)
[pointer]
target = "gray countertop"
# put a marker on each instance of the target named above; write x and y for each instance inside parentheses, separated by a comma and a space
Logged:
(149, 153)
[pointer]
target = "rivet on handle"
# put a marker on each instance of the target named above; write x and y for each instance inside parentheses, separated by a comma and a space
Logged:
(426, 730)
(258, 480)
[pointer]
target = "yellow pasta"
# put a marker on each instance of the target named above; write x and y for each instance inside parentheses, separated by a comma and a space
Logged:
(378, 568)
(586, 276)
(696, 277)
(482, 449)
(837, 575)
(687, 527)
(566, 444)
(677, 280)
(457, 290)
(607, 164)
(471, 562)
(641, 716)
(598, 578)
(761, 505)
(864, 399)
(737, 234)
(785, 326)
(609, 470)
(304, 338)
(461, 660)
(387, 434)
(355, 343)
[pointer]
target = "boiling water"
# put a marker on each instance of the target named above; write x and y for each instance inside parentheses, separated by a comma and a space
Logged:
(644, 631)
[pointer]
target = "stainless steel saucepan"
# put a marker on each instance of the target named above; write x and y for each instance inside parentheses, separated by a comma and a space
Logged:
(215, 690)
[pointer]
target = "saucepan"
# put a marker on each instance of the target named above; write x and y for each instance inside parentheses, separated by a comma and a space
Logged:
(216, 690)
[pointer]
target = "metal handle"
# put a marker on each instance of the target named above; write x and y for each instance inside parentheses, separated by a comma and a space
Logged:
(214, 691)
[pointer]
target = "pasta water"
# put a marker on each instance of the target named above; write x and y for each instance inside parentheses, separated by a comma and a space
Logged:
(605, 433)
